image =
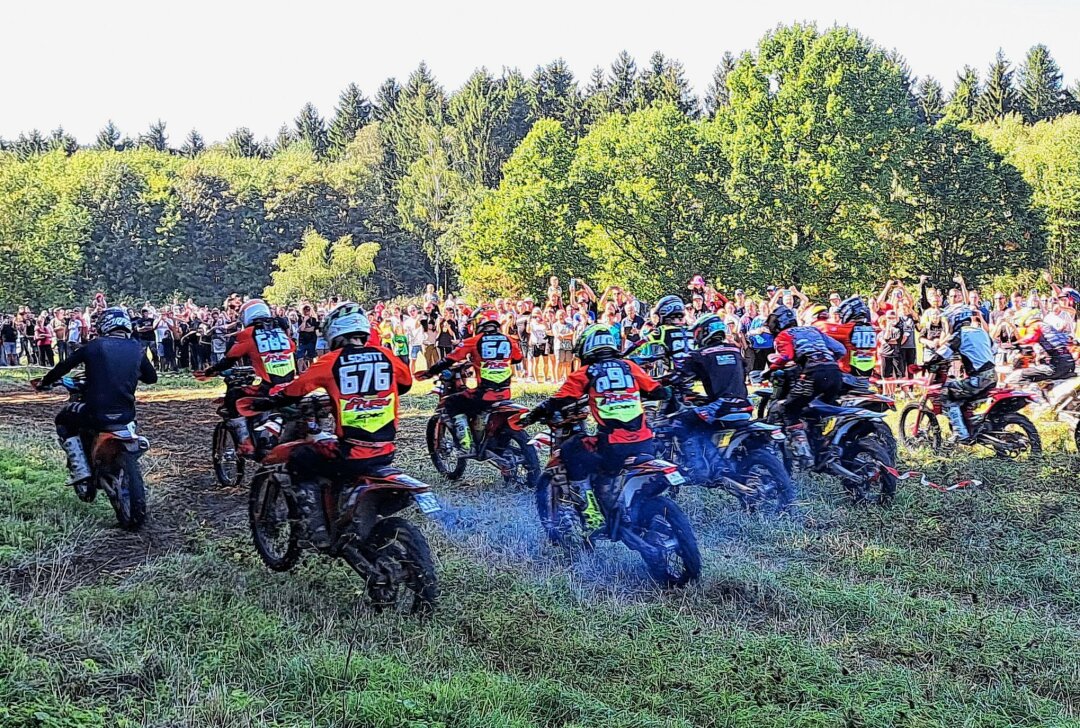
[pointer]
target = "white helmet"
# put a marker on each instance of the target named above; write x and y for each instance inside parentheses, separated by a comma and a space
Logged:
(254, 310)
(346, 319)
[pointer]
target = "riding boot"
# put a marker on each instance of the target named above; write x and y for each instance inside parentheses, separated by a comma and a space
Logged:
(799, 444)
(309, 498)
(239, 426)
(464, 433)
(594, 517)
(78, 467)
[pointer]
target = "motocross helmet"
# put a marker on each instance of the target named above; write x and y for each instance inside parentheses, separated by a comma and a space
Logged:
(113, 319)
(254, 310)
(669, 307)
(485, 319)
(1029, 317)
(958, 315)
(1073, 295)
(817, 312)
(780, 319)
(596, 343)
(854, 309)
(347, 319)
(709, 329)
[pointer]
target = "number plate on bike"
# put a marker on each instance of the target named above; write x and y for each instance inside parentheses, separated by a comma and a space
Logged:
(675, 477)
(427, 502)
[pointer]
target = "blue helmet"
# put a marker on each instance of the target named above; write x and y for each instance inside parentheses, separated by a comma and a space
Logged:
(596, 343)
(113, 319)
(709, 328)
(669, 306)
(781, 318)
(854, 309)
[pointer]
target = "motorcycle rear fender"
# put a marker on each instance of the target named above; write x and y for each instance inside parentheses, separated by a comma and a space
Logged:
(1009, 402)
(637, 476)
(107, 444)
(859, 421)
(378, 497)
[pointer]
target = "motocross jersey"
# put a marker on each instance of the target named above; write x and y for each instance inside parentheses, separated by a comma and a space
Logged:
(614, 388)
(364, 383)
(807, 347)
(676, 339)
(270, 351)
(975, 349)
(719, 368)
(493, 356)
(1055, 343)
(860, 345)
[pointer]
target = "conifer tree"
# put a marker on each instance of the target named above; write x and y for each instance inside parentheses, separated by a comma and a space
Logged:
(155, 137)
(623, 83)
(386, 99)
(717, 95)
(311, 128)
(352, 114)
(193, 144)
(931, 100)
(61, 140)
(964, 97)
(1042, 95)
(998, 97)
(108, 138)
(242, 143)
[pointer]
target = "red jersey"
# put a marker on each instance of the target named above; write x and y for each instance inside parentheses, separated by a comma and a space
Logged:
(614, 389)
(270, 351)
(365, 384)
(860, 342)
(493, 356)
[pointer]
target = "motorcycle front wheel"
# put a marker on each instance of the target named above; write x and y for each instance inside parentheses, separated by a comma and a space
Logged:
(228, 465)
(274, 519)
(919, 427)
(443, 449)
(527, 468)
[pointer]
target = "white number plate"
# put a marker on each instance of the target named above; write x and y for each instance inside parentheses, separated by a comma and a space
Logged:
(428, 502)
(675, 478)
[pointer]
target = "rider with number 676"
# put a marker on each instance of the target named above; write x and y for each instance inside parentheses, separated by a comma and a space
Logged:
(493, 355)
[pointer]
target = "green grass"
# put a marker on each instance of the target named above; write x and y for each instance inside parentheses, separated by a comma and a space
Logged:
(950, 609)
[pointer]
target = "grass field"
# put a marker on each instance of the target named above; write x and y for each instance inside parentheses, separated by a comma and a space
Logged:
(950, 609)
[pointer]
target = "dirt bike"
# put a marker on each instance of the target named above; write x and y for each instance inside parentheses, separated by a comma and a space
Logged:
(493, 440)
(993, 420)
(114, 465)
(229, 463)
(642, 518)
(848, 443)
(388, 552)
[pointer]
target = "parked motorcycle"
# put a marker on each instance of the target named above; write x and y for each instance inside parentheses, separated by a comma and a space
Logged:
(994, 420)
(388, 552)
(494, 441)
(639, 515)
(849, 443)
(114, 465)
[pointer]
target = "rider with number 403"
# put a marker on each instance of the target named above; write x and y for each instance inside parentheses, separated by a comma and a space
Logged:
(263, 341)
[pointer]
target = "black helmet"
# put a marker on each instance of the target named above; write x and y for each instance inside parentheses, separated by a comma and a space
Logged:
(781, 318)
(854, 309)
(669, 306)
(708, 329)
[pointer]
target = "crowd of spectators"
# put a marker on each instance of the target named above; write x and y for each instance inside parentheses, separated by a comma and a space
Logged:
(186, 336)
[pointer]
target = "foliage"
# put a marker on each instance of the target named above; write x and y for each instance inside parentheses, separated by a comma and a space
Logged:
(319, 269)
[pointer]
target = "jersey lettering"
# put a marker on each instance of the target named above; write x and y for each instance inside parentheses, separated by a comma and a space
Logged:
(495, 349)
(364, 378)
(863, 337)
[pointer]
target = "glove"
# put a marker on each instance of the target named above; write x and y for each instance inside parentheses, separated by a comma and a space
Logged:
(422, 376)
(263, 404)
(529, 418)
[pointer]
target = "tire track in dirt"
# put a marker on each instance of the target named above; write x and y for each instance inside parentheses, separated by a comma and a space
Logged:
(186, 505)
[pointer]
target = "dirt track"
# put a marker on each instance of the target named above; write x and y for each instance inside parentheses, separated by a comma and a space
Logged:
(185, 500)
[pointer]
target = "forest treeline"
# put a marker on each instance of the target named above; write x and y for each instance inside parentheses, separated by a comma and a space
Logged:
(816, 156)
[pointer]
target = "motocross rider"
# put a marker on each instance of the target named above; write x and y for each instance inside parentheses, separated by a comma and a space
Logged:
(1054, 343)
(970, 340)
(671, 329)
(493, 355)
(816, 355)
(614, 388)
(364, 382)
(114, 365)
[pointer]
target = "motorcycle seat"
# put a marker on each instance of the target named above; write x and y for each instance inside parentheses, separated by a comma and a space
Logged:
(823, 409)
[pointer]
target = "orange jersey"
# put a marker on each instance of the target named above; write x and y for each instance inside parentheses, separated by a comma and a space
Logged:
(365, 384)
(493, 356)
(270, 351)
(614, 389)
(860, 341)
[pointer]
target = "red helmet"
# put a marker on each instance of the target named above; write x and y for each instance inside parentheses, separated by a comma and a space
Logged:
(485, 318)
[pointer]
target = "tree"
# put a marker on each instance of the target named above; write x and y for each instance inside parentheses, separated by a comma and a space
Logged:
(717, 96)
(965, 207)
(931, 101)
(352, 113)
(809, 191)
(598, 102)
(284, 138)
(319, 269)
(1042, 95)
(623, 82)
(29, 145)
(108, 138)
(664, 81)
(964, 97)
(155, 137)
(998, 98)
(62, 141)
(193, 144)
(311, 128)
(490, 116)
(386, 99)
(242, 143)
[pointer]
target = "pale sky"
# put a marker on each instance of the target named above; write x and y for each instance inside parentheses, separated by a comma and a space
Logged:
(217, 65)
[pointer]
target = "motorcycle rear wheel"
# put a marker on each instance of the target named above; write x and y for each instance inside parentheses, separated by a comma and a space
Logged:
(274, 519)
(662, 523)
(868, 459)
(127, 491)
(403, 579)
(1026, 434)
(527, 471)
(775, 481)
